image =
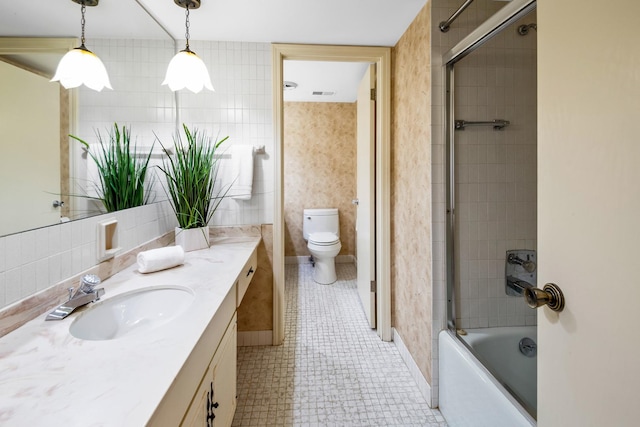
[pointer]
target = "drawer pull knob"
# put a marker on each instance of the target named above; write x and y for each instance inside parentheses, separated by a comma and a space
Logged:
(250, 271)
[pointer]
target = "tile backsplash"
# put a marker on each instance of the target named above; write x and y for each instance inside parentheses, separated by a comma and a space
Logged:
(37, 259)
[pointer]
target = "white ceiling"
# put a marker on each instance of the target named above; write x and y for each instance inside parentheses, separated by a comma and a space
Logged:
(338, 78)
(343, 22)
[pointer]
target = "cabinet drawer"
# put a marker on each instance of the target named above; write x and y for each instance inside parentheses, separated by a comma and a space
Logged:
(245, 277)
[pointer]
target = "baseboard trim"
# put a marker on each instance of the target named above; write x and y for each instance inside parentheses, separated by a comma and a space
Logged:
(345, 259)
(297, 260)
(420, 380)
(340, 259)
(254, 338)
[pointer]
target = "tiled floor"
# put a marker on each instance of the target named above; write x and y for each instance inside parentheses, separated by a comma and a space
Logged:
(332, 370)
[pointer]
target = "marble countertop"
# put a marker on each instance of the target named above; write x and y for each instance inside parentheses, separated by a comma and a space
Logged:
(48, 377)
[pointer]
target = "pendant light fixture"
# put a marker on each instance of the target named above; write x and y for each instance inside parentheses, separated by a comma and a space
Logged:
(80, 66)
(186, 69)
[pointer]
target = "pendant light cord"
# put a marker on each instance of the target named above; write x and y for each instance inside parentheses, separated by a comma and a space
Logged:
(82, 9)
(187, 27)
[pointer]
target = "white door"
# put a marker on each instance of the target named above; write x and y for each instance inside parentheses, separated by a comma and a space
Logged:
(29, 150)
(365, 213)
(589, 212)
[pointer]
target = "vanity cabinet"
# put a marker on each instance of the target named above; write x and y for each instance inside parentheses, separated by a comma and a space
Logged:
(203, 394)
(180, 373)
(215, 401)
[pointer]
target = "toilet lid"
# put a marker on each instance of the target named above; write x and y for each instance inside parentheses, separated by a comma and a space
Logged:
(323, 238)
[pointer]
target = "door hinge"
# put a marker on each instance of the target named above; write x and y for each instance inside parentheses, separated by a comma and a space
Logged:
(374, 287)
(373, 94)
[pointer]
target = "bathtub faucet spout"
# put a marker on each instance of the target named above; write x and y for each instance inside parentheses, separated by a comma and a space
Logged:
(518, 285)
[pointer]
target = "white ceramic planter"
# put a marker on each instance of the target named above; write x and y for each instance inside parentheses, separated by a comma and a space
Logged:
(193, 239)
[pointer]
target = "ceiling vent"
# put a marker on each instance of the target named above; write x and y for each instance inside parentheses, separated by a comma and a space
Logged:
(287, 85)
(320, 93)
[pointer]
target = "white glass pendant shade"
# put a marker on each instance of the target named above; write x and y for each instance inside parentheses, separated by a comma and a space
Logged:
(187, 70)
(80, 66)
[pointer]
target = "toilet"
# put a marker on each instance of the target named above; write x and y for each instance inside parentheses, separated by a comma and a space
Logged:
(321, 230)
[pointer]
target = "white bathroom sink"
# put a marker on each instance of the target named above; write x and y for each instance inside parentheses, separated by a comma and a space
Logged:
(132, 312)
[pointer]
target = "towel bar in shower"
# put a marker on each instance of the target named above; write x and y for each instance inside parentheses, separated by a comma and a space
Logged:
(498, 124)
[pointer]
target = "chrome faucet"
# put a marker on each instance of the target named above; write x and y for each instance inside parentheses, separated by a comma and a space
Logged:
(85, 294)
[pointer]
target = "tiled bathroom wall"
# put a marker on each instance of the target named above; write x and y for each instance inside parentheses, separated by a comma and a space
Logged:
(495, 170)
(240, 108)
(37, 259)
(319, 168)
(136, 68)
(495, 176)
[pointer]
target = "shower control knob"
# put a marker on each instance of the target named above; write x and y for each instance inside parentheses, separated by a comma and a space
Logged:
(550, 295)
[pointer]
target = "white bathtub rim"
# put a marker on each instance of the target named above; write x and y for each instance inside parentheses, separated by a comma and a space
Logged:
(467, 354)
(473, 334)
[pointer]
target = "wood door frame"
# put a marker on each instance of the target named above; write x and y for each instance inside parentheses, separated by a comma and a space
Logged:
(381, 56)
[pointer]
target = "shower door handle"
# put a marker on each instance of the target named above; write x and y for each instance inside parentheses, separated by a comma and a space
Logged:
(550, 295)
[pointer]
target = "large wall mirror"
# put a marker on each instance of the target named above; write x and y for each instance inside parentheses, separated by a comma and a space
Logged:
(39, 163)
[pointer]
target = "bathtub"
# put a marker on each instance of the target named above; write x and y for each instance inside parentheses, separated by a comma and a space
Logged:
(470, 395)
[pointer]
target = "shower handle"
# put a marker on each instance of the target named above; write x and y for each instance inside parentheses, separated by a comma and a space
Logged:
(550, 295)
(529, 266)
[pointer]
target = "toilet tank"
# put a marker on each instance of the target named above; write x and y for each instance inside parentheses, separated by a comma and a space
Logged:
(317, 220)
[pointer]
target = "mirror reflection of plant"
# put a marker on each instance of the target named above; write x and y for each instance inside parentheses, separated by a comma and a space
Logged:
(191, 178)
(122, 174)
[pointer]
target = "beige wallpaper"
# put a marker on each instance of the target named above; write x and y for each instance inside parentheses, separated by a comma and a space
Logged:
(256, 311)
(319, 168)
(411, 191)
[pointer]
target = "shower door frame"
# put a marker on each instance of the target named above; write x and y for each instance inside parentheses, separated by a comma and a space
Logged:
(485, 31)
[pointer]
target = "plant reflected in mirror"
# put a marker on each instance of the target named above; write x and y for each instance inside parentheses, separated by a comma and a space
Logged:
(122, 173)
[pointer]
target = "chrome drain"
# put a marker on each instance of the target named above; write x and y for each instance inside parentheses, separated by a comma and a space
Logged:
(528, 347)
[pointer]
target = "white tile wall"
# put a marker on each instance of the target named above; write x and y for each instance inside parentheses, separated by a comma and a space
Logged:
(496, 171)
(51, 254)
(240, 108)
(495, 177)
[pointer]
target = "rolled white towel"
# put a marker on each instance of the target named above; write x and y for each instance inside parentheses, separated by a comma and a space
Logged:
(160, 259)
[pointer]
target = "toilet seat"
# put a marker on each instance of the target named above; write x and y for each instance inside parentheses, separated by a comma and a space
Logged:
(323, 239)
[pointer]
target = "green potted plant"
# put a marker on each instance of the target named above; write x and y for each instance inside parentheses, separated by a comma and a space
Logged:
(122, 174)
(191, 186)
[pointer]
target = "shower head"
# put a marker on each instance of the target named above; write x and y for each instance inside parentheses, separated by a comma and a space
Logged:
(523, 30)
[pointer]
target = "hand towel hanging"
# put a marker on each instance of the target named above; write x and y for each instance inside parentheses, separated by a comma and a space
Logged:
(242, 172)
